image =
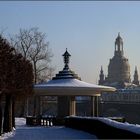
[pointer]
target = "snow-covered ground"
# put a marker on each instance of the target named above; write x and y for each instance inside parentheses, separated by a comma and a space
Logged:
(127, 126)
(24, 132)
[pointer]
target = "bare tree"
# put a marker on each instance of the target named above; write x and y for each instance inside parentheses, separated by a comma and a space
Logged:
(2, 30)
(32, 44)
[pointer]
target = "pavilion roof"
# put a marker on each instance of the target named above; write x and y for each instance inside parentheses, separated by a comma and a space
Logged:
(71, 87)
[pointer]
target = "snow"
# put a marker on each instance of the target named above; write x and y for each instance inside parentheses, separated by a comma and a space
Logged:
(70, 83)
(20, 122)
(7, 135)
(126, 126)
(24, 132)
(70, 87)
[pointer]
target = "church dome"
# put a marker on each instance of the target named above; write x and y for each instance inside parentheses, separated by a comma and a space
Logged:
(118, 68)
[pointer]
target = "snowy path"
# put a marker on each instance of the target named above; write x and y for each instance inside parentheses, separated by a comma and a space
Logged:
(48, 133)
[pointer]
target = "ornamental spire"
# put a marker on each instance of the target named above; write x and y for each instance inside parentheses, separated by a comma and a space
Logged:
(118, 34)
(102, 79)
(66, 57)
(136, 77)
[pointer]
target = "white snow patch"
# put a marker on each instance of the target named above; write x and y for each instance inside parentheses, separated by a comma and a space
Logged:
(20, 121)
(7, 135)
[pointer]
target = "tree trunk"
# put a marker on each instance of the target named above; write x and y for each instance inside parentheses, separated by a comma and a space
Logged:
(22, 108)
(0, 114)
(7, 125)
(13, 113)
(35, 72)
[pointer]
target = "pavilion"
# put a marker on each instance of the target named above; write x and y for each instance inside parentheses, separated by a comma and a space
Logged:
(66, 85)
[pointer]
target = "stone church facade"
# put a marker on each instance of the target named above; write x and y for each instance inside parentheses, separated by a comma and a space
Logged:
(118, 69)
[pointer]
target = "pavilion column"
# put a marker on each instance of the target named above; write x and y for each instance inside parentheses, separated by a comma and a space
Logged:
(72, 106)
(37, 106)
(66, 106)
(94, 106)
(41, 108)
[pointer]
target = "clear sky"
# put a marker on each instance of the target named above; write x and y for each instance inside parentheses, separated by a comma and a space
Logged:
(87, 29)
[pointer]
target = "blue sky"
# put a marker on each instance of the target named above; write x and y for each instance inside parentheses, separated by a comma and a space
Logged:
(87, 29)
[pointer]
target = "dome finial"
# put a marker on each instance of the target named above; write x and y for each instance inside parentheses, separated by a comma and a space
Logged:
(101, 68)
(118, 33)
(66, 56)
(135, 68)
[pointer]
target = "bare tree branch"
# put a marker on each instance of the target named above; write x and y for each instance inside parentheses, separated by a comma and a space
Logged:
(34, 47)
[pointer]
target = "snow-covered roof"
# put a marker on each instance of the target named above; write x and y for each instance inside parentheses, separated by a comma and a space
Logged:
(70, 87)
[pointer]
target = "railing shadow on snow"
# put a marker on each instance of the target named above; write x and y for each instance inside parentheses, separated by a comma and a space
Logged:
(99, 128)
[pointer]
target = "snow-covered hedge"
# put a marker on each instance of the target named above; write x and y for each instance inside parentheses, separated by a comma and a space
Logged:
(104, 128)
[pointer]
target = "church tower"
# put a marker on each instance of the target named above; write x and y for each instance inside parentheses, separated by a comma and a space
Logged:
(118, 68)
(101, 80)
(119, 46)
(136, 77)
